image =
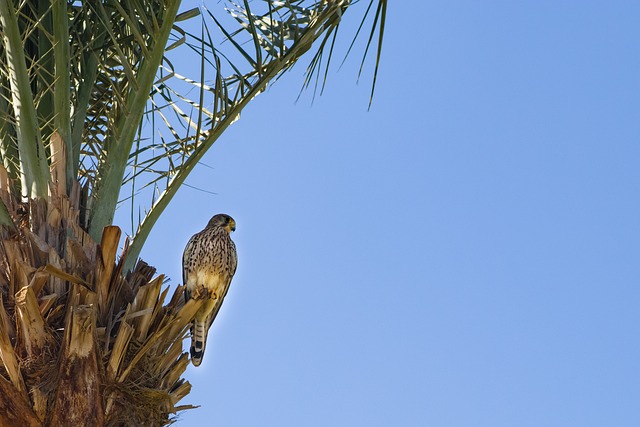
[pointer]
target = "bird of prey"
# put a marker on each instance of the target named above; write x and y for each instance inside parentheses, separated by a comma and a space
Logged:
(208, 265)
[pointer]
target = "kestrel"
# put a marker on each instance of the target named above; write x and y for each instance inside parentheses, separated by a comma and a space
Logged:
(208, 265)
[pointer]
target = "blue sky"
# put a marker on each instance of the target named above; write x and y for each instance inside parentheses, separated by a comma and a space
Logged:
(463, 254)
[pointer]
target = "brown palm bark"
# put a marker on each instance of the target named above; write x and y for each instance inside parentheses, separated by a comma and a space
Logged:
(81, 343)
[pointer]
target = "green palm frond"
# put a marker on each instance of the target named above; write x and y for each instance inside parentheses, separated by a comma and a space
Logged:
(110, 79)
(17, 66)
(268, 39)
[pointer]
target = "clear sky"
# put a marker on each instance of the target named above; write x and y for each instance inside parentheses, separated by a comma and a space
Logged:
(464, 254)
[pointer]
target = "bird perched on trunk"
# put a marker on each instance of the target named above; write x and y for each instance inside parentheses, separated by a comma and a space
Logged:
(208, 265)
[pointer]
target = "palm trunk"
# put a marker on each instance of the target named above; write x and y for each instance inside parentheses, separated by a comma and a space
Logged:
(81, 344)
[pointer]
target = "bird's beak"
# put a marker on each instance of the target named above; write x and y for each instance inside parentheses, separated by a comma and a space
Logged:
(232, 226)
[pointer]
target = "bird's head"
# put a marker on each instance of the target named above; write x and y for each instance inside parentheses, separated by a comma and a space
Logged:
(224, 221)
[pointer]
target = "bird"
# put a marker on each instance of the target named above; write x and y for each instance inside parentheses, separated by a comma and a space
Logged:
(209, 262)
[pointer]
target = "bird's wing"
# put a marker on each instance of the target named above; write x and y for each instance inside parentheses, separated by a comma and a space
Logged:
(216, 308)
(185, 263)
(234, 261)
(232, 269)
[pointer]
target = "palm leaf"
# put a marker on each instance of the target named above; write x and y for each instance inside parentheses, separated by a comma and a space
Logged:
(110, 80)
(268, 39)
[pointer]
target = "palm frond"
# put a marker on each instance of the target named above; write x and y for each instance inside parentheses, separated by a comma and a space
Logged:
(268, 39)
(111, 80)
(33, 160)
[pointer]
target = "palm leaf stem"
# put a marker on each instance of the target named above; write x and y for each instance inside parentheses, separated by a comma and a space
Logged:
(112, 166)
(62, 84)
(33, 159)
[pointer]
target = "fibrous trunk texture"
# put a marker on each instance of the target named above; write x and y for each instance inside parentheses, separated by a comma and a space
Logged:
(81, 343)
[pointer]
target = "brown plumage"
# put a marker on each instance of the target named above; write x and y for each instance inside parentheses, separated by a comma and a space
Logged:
(208, 265)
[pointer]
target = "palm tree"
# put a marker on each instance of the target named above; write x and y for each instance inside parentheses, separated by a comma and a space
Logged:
(95, 112)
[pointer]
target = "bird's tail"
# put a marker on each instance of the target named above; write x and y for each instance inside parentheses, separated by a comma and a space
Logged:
(198, 341)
